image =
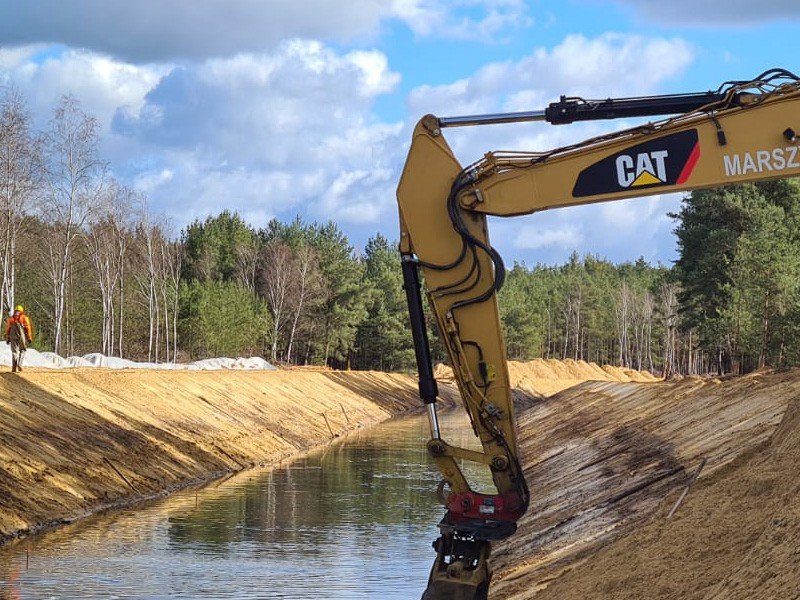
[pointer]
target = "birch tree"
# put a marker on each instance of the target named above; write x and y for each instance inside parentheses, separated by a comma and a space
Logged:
(75, 180)
(247, 263)
(668, 299)
(278, 271)
(21, 173)
(147, 281)
(623, 310)
(307, 286)
(107, 244)
(170, 255)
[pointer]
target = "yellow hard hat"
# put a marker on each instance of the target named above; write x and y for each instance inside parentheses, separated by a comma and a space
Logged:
(19, 308)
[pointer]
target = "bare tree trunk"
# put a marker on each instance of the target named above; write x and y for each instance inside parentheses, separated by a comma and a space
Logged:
(121, 310)
(669, 308)
(75, 177)
(622, 312)
(59, 300)
(149, 279)
(549, 331)
(247, 259)
(169, 284)
(150, 330)
(21, 181)
(167, 324)
(150, 232)
(578, 308)
(762, 356)
(278, 270)
(176, 260)
(305, 258)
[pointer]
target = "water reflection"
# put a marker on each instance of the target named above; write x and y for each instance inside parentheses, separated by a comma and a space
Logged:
(352, 520)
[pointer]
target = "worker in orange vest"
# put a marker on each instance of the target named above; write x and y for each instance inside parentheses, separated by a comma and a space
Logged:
(19, 333)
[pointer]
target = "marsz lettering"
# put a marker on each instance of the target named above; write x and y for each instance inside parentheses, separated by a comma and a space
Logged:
(762, 161)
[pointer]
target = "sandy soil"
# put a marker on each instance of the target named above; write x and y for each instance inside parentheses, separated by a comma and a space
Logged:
(607, 463)
(77, 441)
(545, 377)
(607, 452)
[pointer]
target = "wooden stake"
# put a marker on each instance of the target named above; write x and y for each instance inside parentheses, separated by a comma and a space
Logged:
(125, 479)
(328, 424)
(346, 418)
(686, 489)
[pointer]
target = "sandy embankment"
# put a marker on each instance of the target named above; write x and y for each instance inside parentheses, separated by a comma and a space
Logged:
(607, 462)
(545, 377)
(74, 442)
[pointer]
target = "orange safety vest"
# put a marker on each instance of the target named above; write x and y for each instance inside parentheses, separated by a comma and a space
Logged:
(23, 320)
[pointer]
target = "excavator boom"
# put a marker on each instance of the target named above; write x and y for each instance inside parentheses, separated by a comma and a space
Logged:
(743, 131)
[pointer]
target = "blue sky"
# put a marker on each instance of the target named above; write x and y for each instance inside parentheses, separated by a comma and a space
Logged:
(280, 108)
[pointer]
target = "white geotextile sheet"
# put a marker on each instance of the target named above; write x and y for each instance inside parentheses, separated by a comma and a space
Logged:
(49, 360)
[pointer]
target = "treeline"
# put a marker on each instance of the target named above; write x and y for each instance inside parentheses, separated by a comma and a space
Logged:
(309, 298)
(739, 274)
(77, 248)
(730, 304)
(590, 309)
(98, 272)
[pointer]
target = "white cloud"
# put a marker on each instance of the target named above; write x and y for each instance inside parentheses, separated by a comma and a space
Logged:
(375, 76)
(104, 86)
(274, 133)
(152, 180)
(619, 231)
(565, 237)
(295, 130)
(157, 31)
(350, 197)
(263, 134)
(630, 215)
(12, 58)
(609, 65)
(458, 19)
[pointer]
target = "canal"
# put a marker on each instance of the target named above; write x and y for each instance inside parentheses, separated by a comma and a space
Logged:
(352, 520)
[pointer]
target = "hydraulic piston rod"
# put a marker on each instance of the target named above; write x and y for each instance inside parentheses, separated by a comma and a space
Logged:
(492, 119)
(428, 390)
(568, 110)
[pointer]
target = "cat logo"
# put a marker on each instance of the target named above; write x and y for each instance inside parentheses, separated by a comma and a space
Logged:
(648, 168)
(668, 160)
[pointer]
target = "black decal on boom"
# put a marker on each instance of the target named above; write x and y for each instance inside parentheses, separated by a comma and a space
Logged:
(664, 161)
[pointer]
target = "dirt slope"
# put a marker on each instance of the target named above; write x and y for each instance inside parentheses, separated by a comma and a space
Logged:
(607, 462)
(76, 441)
(545, 377)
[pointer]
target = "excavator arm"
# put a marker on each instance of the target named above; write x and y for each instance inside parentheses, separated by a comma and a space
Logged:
(744, 131)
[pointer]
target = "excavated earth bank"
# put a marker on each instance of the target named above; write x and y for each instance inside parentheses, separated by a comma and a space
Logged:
(78, 441)
(607, 462)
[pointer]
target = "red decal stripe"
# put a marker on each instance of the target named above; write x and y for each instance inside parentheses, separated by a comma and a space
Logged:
(689, 166)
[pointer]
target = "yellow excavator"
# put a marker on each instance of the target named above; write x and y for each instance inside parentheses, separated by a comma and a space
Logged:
(743, 131)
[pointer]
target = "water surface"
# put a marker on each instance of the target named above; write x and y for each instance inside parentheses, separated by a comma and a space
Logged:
(352, 520)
